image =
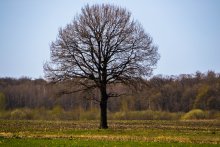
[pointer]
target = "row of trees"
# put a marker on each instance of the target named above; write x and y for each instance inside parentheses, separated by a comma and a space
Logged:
(172, 93)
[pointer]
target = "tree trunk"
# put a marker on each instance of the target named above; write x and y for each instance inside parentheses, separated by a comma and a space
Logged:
(103, 109)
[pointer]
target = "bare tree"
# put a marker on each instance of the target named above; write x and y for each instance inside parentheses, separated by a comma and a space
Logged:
(101, 46)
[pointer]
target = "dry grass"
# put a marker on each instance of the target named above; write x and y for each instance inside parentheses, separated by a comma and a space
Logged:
(199, 132)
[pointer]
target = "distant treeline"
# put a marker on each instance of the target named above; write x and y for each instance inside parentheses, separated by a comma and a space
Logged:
(171, 93)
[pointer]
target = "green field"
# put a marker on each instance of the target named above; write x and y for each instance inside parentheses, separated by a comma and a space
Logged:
(120, 133)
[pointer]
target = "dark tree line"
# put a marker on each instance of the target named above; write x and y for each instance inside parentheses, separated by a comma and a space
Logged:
(174, 94)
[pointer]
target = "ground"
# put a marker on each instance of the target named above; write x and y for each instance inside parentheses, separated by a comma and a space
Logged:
(120, 133)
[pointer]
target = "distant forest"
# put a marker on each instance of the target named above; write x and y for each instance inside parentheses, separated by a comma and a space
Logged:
(161, 93)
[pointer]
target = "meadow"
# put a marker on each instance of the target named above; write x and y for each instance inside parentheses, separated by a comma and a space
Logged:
(120, 133)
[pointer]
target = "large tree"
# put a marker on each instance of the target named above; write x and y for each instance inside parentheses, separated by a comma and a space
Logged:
(102, 46)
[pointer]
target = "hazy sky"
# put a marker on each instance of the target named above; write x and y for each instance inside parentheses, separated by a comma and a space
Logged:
(186, 31)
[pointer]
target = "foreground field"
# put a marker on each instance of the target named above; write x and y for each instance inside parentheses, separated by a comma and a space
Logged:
(120, 133)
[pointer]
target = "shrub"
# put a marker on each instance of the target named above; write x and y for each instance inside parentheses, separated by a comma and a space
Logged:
(214, 114)
(195, 114)
(5, 114)
(117, 116)
(41, 114)
(56, 113)
(17, 114)
(2, 101)
(89, 115)
(145, 115)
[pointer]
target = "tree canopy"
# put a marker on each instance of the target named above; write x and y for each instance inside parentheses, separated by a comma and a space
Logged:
(103, 45)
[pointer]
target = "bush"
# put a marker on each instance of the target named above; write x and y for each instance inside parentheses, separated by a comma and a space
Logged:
(117, 116)
(5, 114)
(56, 113)
(195, 114)
(18, 114)
(214, 114)
(89, 115)
(2, 101)
(145, 115)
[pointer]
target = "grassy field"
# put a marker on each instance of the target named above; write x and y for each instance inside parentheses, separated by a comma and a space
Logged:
(120, 133)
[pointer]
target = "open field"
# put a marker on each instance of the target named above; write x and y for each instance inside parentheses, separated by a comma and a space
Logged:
(120, 133)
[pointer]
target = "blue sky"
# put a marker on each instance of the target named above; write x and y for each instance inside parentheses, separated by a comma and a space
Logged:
(186, 31)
